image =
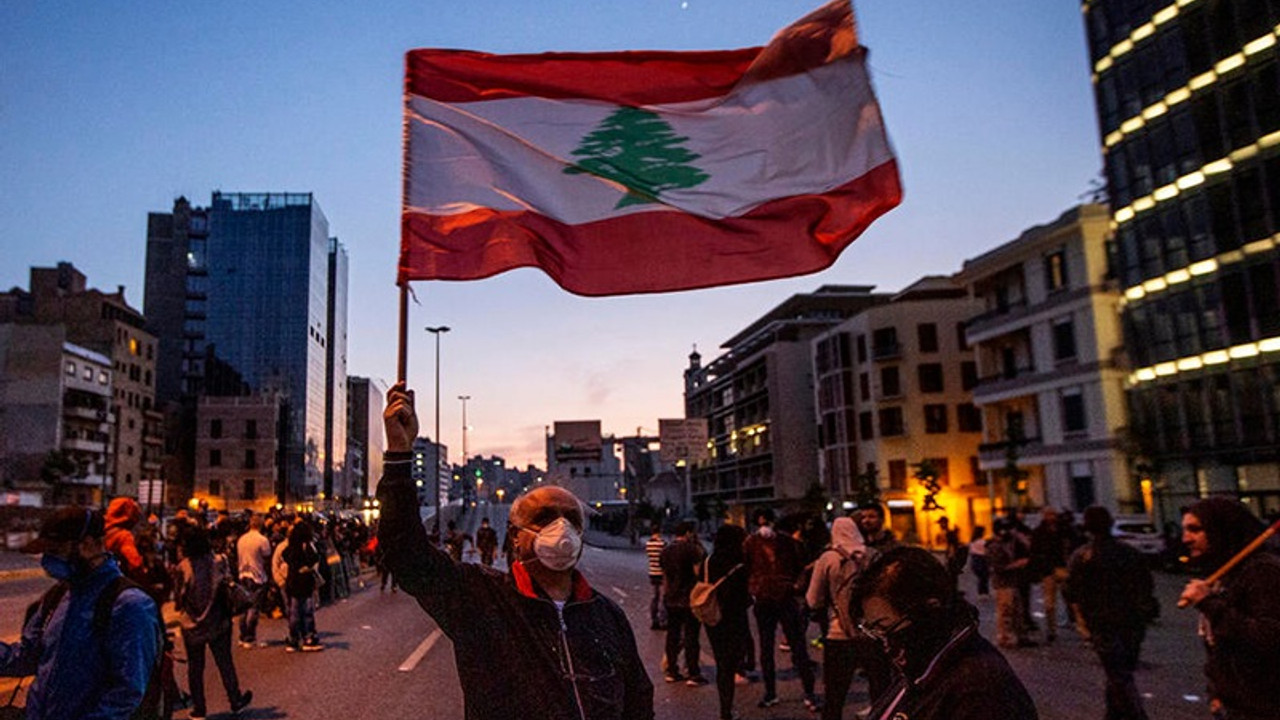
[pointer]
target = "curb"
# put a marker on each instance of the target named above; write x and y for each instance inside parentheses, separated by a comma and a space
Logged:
(24, 574)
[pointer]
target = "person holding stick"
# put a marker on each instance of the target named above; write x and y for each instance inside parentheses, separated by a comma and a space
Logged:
(1239, 607)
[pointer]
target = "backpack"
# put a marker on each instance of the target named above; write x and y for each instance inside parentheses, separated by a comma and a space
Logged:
(840, 586)
(155, 704)
(703, 602)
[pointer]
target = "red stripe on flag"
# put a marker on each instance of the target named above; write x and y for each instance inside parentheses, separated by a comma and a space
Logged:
(650, 251)
(622, 78)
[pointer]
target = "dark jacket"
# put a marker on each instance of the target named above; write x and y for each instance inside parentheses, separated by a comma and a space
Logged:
(301, 560)
(561, 665)
(1111, 584)
(775, 566)
(1244, 638)
(681, 563)
(733, 595)
(201, 616)
(968, 680)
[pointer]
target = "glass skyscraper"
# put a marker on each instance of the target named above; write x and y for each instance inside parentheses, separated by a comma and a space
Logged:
(252, 273)
(1188, 100)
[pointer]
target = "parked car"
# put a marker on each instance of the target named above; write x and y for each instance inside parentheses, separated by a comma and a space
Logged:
(1138, 532)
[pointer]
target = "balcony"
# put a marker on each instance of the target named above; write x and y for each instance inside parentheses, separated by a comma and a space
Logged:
(85, 413)
(83, 445)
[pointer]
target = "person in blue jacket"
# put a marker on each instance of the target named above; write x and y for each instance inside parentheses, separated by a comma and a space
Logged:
(83, 668)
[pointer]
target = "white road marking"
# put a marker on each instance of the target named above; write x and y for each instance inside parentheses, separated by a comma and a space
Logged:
(621, 593)
(416, 657)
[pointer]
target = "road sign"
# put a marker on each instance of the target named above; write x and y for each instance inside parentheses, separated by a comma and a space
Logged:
(683, 439)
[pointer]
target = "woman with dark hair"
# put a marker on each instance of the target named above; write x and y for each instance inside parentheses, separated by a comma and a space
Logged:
(1239, 614)
(944, 668)
(205, 619)
(730, 638)
(302, 560)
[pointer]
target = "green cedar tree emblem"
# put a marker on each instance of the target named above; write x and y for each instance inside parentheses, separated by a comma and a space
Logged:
(639, 150)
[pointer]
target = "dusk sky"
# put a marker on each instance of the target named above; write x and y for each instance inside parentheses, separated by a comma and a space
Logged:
(111, 110)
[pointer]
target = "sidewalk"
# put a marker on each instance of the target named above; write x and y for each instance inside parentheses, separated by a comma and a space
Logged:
(18, 566)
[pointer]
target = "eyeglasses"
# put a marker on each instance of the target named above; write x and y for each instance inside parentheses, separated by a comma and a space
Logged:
(879, 630)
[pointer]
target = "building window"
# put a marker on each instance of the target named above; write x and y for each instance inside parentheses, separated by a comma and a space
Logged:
(250, 459)
(251, 429)
(88, 373)
(935, 419)
(215, 457)
(962, 341)
(71, 369)
(897, 474)
(890, 385)
(1055, 270)
(248, 489)
(215, 428)
(975, 471)
(930, 377)
(866, 430)
(1064, 339)
(969, 418)
(884, 342)
(861, 342)
(864, 386)
(1082, 490)
(215, 487)
(927, 334)
(1073, 415)
(891, 423)
(940, 466)
(968, 375)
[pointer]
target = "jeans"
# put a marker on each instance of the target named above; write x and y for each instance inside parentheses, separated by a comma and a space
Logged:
(840, 659)
(683, 629)
(220, 647)
(1118, 650)
(657, 614)
(769, 616)
(249, 620)
(302, 620)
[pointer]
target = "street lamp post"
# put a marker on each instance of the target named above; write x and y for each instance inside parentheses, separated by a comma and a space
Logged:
(435, 480)
(464, 399)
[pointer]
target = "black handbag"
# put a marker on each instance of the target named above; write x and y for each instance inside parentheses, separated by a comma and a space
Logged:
(236, 597)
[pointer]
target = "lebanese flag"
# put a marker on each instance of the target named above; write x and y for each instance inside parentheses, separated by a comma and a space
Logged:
(644, 171)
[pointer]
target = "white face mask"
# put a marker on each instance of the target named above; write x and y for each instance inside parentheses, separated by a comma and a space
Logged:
(558, 545)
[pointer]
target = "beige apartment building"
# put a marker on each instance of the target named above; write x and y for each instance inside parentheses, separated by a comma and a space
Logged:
(237, 451)
(1051, 366)
(892, 390)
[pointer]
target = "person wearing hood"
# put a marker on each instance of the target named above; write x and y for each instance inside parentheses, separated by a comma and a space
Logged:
(943, 667)
(84, 668)
(846, 649)
(571, 648)
(1239, 614)
(123, 515)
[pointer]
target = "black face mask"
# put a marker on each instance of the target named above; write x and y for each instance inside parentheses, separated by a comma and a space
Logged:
(912, 647)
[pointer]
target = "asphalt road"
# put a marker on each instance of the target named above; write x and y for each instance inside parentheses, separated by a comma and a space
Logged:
(386, 659)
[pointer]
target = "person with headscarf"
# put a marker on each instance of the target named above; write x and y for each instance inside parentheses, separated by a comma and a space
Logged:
(846, 649)
(943, 667)
(731, 637)
(1239, 614)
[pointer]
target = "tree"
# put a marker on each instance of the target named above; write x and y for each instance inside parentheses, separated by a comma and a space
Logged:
(866, 487)
(815, 499)
(56, 468)
(639, 150)
(926, 471)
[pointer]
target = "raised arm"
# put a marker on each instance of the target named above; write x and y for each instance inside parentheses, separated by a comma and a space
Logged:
(420, 568)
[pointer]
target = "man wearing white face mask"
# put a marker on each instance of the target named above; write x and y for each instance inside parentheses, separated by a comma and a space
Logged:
(571, 647)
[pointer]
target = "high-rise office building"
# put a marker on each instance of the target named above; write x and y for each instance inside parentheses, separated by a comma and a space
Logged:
(338, 481)
(1188, 100)
(241, 292)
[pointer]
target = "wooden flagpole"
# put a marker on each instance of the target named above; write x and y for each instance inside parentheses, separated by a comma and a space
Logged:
(402, 358)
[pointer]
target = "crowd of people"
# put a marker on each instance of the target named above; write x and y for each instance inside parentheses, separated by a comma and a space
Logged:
(893, 612)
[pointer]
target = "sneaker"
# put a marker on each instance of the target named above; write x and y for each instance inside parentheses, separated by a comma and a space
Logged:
(291, 648)
(246, 644)
(696, 681)
(246, 697)
(673, 677)
(740, 679)
(784, 646)
(767, 701)
(194, 716)
(312, 646)
(812, 703)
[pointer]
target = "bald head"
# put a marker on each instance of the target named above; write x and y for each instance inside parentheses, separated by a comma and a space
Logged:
(542, 506)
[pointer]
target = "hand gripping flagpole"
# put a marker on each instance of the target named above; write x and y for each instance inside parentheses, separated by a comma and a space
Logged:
(1240, 556)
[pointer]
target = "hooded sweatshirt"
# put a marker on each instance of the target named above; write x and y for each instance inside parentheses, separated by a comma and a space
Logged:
(122, 515)
(846, 542)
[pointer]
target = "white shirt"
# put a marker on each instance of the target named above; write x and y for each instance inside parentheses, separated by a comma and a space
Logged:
(254, 553)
